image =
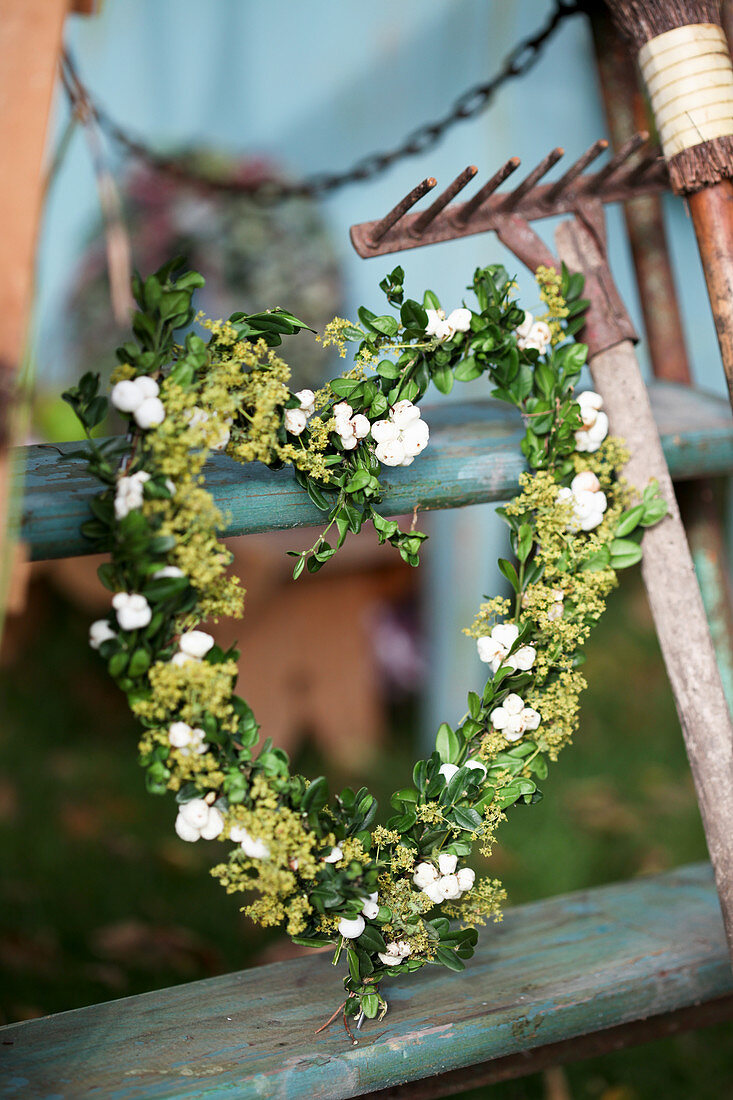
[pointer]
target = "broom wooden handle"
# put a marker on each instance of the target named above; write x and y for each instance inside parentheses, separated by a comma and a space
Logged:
(674, 596)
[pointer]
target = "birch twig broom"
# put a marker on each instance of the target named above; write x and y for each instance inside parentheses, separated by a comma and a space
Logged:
(685, 61)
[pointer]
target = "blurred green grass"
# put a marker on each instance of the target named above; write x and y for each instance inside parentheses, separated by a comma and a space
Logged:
(99, 899)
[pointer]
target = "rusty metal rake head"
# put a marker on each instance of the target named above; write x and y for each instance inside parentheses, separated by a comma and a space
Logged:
(624, 176)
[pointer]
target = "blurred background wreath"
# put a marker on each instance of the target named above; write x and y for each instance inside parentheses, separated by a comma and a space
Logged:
(254, 253)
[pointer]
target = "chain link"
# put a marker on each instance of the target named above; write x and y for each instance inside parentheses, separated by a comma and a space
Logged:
(517, 62)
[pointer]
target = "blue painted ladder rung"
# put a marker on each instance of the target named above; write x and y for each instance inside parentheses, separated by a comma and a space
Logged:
(473, 457)
(555, 975)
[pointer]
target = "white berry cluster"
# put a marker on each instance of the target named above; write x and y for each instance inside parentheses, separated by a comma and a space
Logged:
(189, 742)
(395, 953)
(533, 334)
(219, 434)
(295, 420)
(132, 610)
(352, 927)
(197, 820)
(513, 718)
(595, 422)
(493, 649)
(251, 846)
(193, 645)
(129, 493)
(100, 632)
(587, 499)
(444, 882)
(449, 770)
(350, 426)
(402, 437)
(139, 396)
(444, 328)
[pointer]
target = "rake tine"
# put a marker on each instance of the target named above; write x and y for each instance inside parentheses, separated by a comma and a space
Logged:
(574, 170)
(401, 209)
(617, 160)
(488, 188)
(534, 176)
(420, 224)
(645, 165)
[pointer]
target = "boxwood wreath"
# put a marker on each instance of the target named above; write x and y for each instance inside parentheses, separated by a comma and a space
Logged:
(390, 897)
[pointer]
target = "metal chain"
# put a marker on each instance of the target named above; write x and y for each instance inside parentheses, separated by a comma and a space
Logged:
(476, 99)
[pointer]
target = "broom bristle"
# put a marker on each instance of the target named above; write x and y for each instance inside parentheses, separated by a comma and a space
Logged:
(641, 20)
(701, 166)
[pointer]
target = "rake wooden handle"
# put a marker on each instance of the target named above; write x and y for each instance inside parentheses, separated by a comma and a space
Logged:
(674, 595)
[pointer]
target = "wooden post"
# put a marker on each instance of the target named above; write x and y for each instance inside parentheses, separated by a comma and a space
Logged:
(712, 217)
(673, 591)
(30, 43)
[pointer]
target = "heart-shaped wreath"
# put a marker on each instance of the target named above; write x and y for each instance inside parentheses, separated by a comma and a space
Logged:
(397, 895)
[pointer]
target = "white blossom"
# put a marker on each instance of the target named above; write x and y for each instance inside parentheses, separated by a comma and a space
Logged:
(385, 431)
(392, 453)
(252, 847)
(524, 329)
(197, 820)
(100, 632)
(587, 500)
(370, 907)
(333, 856)
(295, 421)
(394, 953)
(218, 435)
(402, 437)
(434, 890)
(445, 328)
(129, 493)
(307, 400)
(150, 413)
(195, 643)
(415, 438)
(189, 741)
(446, 882)
(139, 396)
(460, 319)
(404, 413)
(533, 334)
(476, 765)
(448, 771)
(595, 422)
(447, 863)
(168, 571)
(351, 929)
(466, 878)
(556, 609)
(437, 325)
(451, 889)
(132, 610)
(349, 427)
(127, 396)
(513, 718)
(425, 874)
(360, 425)
(494, 648)
(179, 659)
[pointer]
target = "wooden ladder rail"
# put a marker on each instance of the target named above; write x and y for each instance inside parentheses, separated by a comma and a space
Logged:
(31, 34)
(668, 569)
